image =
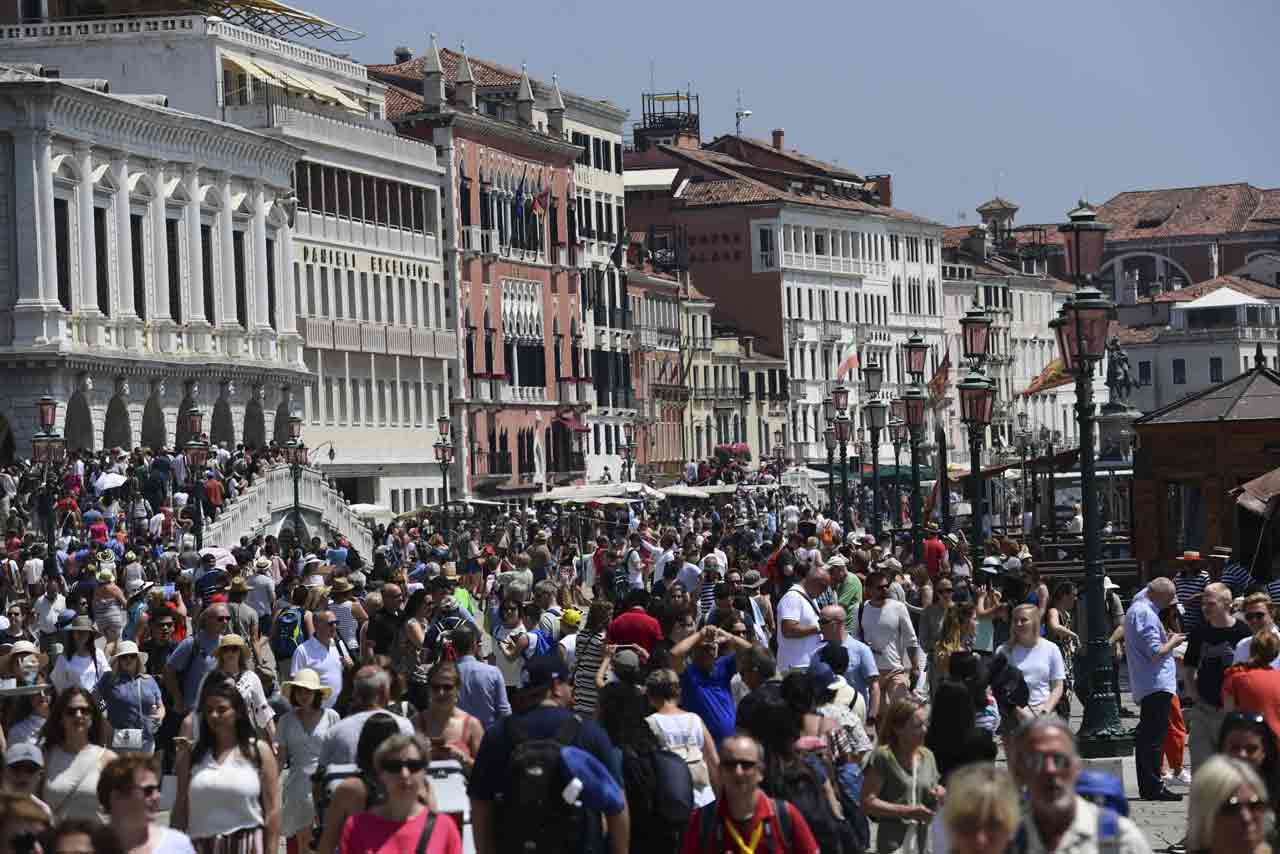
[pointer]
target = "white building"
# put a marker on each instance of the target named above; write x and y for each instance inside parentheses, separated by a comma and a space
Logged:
(143, 272)
(377, 316)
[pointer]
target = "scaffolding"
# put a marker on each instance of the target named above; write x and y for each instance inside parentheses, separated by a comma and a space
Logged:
(666, 116)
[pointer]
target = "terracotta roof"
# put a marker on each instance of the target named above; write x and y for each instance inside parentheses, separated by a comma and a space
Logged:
(400, 102)
(1137, 334)
(1267, 214)
(953, 234)
(997, 204)
(727, 191)
(1180, 212)
(1235, 283)
(485, 73)
(725, 165)
(810, 163)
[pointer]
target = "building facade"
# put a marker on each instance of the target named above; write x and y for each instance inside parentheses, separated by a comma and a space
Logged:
(364, 272)
(658, 371)
(144, 270)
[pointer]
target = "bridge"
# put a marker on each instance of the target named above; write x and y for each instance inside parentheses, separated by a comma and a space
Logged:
(267, 505)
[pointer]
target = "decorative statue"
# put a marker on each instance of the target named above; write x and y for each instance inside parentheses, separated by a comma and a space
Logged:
(1119, 378)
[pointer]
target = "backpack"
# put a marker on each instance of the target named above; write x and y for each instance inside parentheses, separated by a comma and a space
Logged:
(802, 786)
(621, 584)
(659, 795)
(534, 816)
(711, 829)
(286, 633)
(1008, 685)
(1108, 834)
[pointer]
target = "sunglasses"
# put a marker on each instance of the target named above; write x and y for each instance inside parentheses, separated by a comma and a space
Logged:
(25, 768)
(223, 619)
(79, 711)
(1051, 761)
(396, 766)
(1254, 615)
(830, 621)
(165, 627)
(332, 623)
(739, 764)
(1234, 807)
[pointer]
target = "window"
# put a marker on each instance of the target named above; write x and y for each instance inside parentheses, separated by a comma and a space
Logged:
(237, 251)
(206, 265)
(101, 247)
(1179, 371)
(175, 269)
(136, 234)
(1215, 369)
(271, 283)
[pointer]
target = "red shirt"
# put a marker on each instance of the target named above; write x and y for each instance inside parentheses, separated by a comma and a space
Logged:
(634, 627)
(935, 555)
(802, 841)
(1255, 689)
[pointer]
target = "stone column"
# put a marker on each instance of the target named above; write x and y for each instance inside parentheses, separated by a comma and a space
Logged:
(124, 234)
(160, 246)
(286, 309)
(228, 317)
(200, 313)
(87, 303)
(260, 317)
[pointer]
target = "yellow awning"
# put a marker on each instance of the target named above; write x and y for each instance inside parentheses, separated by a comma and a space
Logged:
(298, 81)
(247, 65)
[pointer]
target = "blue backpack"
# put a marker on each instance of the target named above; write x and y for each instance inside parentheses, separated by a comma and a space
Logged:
(286, 633)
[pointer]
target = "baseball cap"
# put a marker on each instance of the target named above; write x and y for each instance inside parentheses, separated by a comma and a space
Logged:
(571, 617)
(542, 670)
(822, 676)
(626, 663)
(23, 752)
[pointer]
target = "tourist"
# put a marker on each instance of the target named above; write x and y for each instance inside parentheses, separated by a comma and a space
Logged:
(1255, 686)
(981, 813)
(357, 793)
(232, 655)
(482, 692)
(135, 706)
(684, 733)
(450, 731)
(1211, 646)
(74, 755)
(129, 793)
(590, 652)
(1039, 660)
(401, 823)
(82, 663)
(885, 625)
(299, 738)
(1228, 809)
(321, 654)
(902, 787)
(797, 614)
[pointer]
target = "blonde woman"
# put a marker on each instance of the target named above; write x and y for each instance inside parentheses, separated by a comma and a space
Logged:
(902, 787)
(1228, 810)
(981, 813)
(959, 628)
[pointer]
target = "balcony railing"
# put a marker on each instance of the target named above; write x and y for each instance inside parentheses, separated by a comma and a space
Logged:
(567, 390)
(831, 330)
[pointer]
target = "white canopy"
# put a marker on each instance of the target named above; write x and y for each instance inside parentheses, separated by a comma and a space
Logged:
(679, 490)
(649, 179)
(634, 491)
(1220, 298)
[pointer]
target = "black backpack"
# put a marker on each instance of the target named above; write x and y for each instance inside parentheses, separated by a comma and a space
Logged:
(659, 792)
(799, 784)
(534, 816)
(1008, 685)
(621, 584)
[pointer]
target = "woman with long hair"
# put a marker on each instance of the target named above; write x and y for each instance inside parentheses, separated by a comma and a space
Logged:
(1228, 808)
(1246, 736)
(299, 737)
(1058, 628)
(1039, 660)
(109, 604)
(81, 662)
(409, 655)
(232, 657)
(74, 755)
(982, 810)
(622, 715)
(228, 787)
(450, 732)
(590, 655)
(953, 735)
(26, 716)
(902, 786)
(959, 628)
(401, 822)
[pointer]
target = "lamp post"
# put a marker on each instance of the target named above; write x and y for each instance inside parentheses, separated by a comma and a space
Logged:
(1081, 330)
(197, 453)
(1024, 445)
(780, 462)
(628, 450)
(844, 432)
(898, 435)
(914, 396)
(444, 458)
(829, 437)
(877, 412)
(977, 397)
(49, 450)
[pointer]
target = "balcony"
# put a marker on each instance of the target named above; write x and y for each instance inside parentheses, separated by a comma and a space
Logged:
(316, 333)
(346, 335)
(567, 390)
(373, 338)
(398, 341)
(698, 344)
(799, 389)
(832, 329)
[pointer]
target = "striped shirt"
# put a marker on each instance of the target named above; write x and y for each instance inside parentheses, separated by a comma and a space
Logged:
(588, 655)
(1238, 577)
(1189, 586)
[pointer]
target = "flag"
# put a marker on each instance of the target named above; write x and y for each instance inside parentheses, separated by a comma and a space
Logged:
(1054, 375)
(619, 251)
(541, 201)
(520, 190)
(848, 361)
(938, 385)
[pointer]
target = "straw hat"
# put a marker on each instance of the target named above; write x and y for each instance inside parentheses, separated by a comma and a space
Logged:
(22, 647)
(450, 570)
(82, 624)
(135, 587)
(341, 585)
(239, 585)
(129, 648)
(106, 576)
(230, 641)
(262, 563)
(308, 679)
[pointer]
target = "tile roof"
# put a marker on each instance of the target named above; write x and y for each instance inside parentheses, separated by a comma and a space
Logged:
(728, 167)
(727, 191)
(1180, 212)
(953, 234)
(1137, 334)
(401, 102)
(997, 204)
(810, 163)
(1235, 283)
(1251, 396)
(1267, 214)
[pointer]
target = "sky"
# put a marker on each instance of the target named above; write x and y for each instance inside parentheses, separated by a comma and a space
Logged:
(1041, 102)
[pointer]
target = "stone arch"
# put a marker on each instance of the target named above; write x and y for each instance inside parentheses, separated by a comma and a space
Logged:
(116, 431)
(280, 434)
(254, 434)
(79, 424)
(8, 453)
(1114, 269)
(154, 432)
(223, 427)
(182, 435)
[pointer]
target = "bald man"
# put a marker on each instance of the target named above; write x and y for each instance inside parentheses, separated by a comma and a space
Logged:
(1153, 681)
(1211, 646)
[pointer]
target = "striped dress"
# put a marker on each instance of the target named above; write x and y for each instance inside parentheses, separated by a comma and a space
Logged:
(588, 655)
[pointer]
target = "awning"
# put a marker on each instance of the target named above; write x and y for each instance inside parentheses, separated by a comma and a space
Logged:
(1258, 496)
(681, 491)
(1220, 298)
(288, 78)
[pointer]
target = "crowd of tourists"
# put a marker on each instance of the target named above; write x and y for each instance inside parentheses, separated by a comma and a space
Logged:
(741, 678)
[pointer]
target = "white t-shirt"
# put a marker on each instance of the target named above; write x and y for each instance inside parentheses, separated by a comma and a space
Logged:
(796, 605)
(33, 570)
(1242, 651)
(888, 631)
(325, 661)
(171, 841)
(1041, 666)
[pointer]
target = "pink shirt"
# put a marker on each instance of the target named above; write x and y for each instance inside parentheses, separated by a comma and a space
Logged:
(367, 833)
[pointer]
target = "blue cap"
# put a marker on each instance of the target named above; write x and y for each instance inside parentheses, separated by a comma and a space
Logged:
(1103, 789)
(541, 670)
(822, 676)
(600, 792)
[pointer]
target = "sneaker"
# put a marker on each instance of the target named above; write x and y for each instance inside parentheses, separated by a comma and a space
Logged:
(1184, 777)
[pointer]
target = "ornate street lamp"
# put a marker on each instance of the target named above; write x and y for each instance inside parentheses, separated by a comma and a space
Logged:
(840, 398)
(898, 434)
(1025, 439)
(829, 437)
(976, 332)
(844, 432)
(877, 412)
(1082, 341)
(197, 454)
(48, 450)
(977, 399)
(780, 463)
(914, 398)
(917, 351)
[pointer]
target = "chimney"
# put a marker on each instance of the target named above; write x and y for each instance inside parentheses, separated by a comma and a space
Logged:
(555, 110)
(778, 135)
(524, 99)
(433, 91)
(402, 54)
(975, 243)
(464, 86)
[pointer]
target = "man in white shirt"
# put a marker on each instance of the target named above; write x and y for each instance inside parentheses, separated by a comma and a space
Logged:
(885, 626)
(321, 655)
(1257, 613)
(48, 604)
(799, 633)
(33, 569)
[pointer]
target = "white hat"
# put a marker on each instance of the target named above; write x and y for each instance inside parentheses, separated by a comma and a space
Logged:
(129, 648)
(991, 565)
(1108, 584)
(837, 560)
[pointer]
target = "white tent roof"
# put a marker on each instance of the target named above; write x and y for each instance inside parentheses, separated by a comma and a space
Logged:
(649, 179)
(1220, 298)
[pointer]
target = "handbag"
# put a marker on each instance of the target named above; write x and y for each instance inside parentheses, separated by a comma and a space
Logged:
(130, 739)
